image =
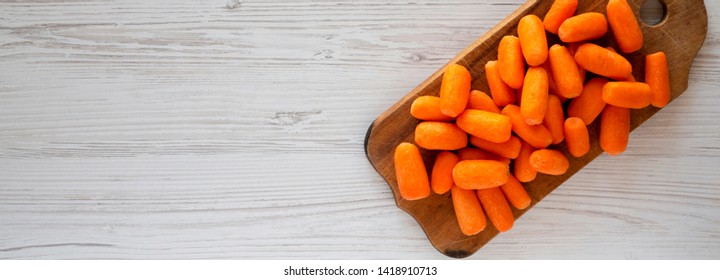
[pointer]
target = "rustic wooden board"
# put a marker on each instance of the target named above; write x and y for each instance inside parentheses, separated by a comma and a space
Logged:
(680, 34)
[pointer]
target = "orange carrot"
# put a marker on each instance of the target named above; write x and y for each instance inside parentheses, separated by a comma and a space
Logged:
(440, 136)
(521, 166)
(470, 153)
(603, 62)
(572, 47)
(552, 86)
(554, 119)
(548, 161)
(481, 101)
(577, 138)
(480, 174)
(468, 211)
(534, 96)
(624, 26)
(441, 177)
(427, 108)
(486, 125)
(507, 149)
(497, 208)
(511, 63)
(627, 94)
(533, 41)
(614, 129)
(558, 13)
(566, 73)
(502, 94)
(454, 90)
(630, 78)
(536, 135)
(552, 90)
(412, 178)
(658, 77)
(516, 193)
(589, 104)
(583, 27)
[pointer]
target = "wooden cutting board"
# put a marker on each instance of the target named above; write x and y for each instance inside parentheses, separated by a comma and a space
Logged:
(680, 35)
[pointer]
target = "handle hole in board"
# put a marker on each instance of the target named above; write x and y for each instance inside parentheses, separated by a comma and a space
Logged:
(653, 12)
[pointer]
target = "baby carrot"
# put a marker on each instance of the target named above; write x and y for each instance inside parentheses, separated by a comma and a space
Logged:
(552, 86)
(516, 193)
(630, 78)
(441, 176)
(427, 108)
(614, 129)
(627, 94)
(480, 174)
(470, 153)
(566, 73)
(533, 41)
(497, 208)
(603, 62)
(658, 77)
(558, 13)
(440, 136)
(534, 96)
(554, 119)
(502, 94)
(483, 124)
(572, 47)
(410, 172)
(521, 166)
(589, 104)
(577, 138)
(468, 211)
(583, 27)
(549, 161)
(454, 90)
(511, 62)
(507, 149)
(481, 101)
(624, 26)
(536, 135)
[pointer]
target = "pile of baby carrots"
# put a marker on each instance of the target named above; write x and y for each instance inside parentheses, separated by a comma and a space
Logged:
(540, 97)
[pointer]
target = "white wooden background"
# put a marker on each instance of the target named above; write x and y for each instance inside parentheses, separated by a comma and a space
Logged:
(201, 129)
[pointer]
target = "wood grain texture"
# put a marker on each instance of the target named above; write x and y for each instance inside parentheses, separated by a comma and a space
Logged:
(187, 129)
(685, 21)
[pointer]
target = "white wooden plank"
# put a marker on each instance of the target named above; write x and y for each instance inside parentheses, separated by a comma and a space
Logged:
(185, 129)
